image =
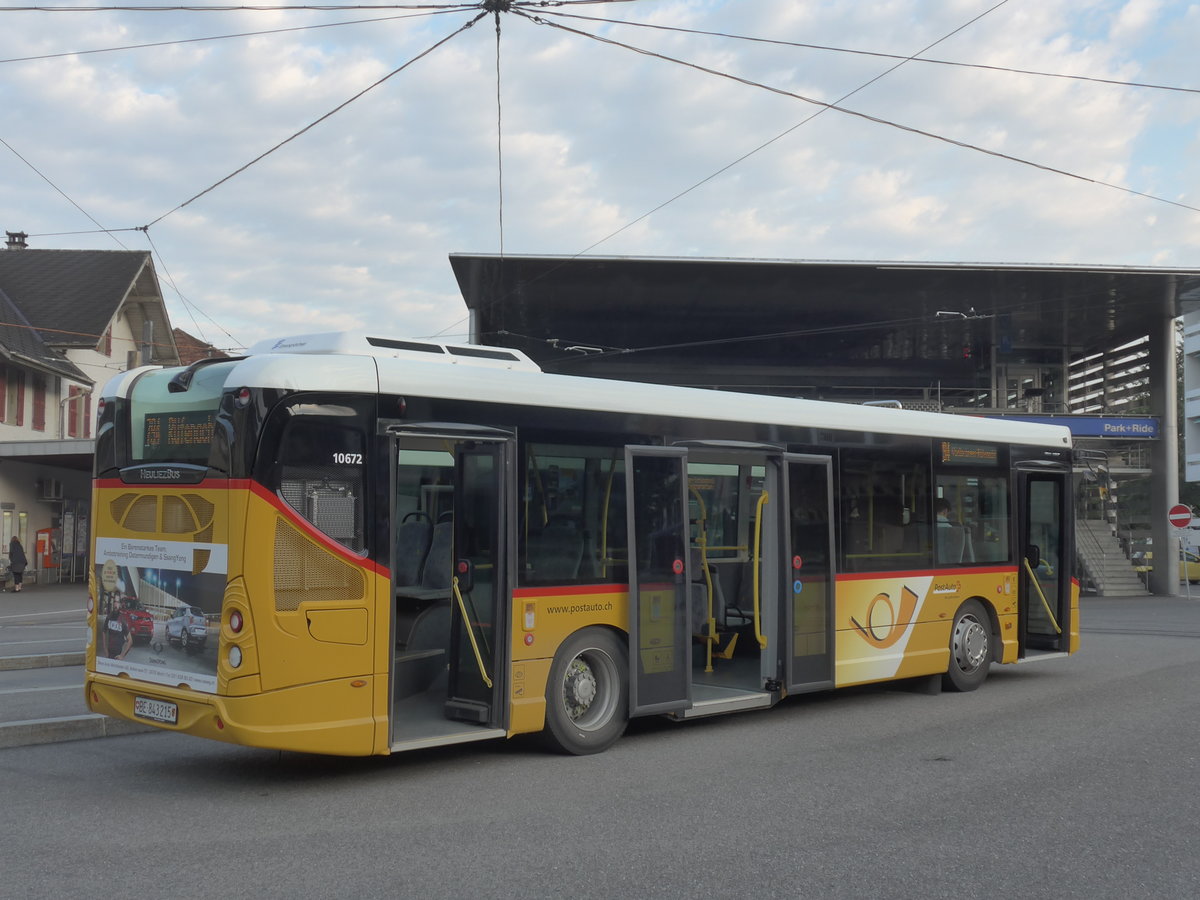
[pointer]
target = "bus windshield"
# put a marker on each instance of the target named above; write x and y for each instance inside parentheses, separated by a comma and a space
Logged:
(175, 427)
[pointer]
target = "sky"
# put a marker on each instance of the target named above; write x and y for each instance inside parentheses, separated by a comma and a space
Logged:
(556, 142)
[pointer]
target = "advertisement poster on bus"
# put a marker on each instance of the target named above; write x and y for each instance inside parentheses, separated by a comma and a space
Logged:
(159, 613)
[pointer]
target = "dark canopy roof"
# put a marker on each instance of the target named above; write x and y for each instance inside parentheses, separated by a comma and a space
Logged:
(735, 321)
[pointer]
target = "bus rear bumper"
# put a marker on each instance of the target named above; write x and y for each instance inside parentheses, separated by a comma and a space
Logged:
(283, 718)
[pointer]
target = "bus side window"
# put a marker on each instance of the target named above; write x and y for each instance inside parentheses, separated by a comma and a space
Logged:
(573, 515)
(320, 474)
(884, 514)
(976, 506)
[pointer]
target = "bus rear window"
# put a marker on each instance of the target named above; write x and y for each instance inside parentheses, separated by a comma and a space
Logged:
(175, 427)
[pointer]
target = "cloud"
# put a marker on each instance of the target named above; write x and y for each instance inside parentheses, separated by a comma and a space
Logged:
(350, 224)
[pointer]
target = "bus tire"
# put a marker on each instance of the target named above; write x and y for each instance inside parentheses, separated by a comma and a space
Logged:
(587, 693)
(970, 648)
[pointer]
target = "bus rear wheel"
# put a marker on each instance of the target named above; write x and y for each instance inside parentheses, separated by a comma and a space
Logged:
(970, 648)
(587, 694)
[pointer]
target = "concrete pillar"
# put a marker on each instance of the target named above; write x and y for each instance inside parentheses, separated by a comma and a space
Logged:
(1164, 453)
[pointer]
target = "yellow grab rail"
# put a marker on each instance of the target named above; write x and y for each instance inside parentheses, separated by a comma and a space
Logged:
(462, 608)
(702, 546)
(762, 638)
(1037, 587)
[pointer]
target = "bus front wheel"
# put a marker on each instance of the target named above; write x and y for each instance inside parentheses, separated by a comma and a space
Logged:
(587, 694)
(970, 648)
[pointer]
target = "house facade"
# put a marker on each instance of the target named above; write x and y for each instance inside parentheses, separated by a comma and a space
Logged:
(69, 321)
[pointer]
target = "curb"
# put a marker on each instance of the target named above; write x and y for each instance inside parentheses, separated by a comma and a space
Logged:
(66, 728)
(42, 661)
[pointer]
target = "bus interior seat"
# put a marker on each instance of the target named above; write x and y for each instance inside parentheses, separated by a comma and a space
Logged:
(891, 539)
(435, 572)
(555, 553)
(951, 540)
(413, 538)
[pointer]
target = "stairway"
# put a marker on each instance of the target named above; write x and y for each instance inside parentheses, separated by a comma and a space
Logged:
(1101, 556)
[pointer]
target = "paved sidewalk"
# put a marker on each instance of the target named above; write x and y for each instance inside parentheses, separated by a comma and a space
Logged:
(42, 635)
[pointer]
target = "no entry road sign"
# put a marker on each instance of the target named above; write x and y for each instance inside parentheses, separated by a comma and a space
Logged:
(1180, 516)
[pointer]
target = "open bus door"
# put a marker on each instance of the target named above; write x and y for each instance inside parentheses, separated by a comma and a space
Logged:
(1044, 556)
(808, 580)
(660, 643)
(451, 609)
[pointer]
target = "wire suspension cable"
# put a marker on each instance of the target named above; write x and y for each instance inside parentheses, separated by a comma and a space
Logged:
(869, 118)
(224, 37)
(63, 193)
(744, 156)
(318, 121)
(735, 162)
(855, 52)
(499, 142)
(259, 8)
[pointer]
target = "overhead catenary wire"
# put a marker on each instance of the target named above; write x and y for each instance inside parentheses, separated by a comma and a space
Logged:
(63, 194)
(225, 37)
(487, 5)
(496, 8)
(873, 53)
(759, 148)
(317, 121)
(191, 308)
(499, 141)
(878, 120)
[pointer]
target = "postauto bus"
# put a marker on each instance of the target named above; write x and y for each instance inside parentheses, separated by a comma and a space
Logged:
(361, 545)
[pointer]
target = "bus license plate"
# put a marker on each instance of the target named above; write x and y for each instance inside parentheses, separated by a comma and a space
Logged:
(158, 710)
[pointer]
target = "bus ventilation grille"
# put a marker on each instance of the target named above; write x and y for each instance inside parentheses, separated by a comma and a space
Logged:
(188, 514)
(306, 572)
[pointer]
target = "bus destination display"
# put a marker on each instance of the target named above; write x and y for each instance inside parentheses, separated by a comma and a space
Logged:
(183, 435)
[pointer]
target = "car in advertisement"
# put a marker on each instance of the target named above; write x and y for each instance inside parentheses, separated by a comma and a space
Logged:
(139, 622)
(188, 629)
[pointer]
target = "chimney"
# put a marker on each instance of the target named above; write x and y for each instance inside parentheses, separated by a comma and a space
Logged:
(16, 240)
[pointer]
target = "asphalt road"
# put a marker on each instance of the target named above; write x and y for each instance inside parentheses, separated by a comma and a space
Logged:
(1064, 778)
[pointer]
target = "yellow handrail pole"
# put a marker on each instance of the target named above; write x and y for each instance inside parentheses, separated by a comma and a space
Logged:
(462, 608)
(604, 519)
(702, 544)
(1037, 587)
(762, 501)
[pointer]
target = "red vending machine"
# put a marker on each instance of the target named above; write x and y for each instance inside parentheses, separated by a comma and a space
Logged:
(49, 553)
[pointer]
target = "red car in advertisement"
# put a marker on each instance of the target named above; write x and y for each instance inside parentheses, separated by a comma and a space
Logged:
(140, 622)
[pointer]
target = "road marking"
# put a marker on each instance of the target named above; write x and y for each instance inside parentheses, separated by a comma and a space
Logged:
(65, 687)
(61, 612)
(17, 643)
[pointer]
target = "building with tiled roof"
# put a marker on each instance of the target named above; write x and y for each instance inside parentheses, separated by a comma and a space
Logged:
(192, 349)
(69, 321)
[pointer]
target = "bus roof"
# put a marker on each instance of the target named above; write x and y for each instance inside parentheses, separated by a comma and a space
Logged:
(353, 365)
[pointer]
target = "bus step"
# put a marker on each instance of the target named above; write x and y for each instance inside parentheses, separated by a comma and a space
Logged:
(467, 710)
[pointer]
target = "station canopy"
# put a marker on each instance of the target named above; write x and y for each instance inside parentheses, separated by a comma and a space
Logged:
(809, 328)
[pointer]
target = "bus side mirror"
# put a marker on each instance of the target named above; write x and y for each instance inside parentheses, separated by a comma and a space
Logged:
(1033, 553)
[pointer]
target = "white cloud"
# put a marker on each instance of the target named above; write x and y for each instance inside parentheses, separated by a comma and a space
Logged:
(350, 224)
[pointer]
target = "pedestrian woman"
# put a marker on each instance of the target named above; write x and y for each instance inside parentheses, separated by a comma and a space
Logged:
(16, 562)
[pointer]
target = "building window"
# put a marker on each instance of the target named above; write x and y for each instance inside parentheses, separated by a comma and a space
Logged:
(106, 345)
(39, 402)
(15, 395)
(79, 412)
(74, 410)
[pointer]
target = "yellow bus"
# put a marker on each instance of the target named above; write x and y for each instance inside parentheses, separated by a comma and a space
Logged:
(360, 545)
